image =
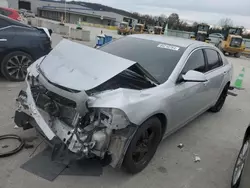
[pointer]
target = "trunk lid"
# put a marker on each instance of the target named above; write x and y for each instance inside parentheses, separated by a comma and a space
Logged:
(76, 66)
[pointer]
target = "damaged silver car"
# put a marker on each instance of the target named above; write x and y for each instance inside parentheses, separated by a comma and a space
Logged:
(121, 100)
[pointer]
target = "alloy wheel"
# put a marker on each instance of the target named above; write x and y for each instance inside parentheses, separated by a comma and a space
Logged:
(240, 162)
(143, 146)
(17, 66)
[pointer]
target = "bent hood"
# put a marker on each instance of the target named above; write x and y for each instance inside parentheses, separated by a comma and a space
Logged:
(80, 67)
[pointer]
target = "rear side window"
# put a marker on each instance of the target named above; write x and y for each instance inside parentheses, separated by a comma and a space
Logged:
(5, 12)
(213, 59)
(195, 62)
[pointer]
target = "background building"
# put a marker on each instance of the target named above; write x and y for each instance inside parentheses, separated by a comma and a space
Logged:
(74, 12)
(4, 3)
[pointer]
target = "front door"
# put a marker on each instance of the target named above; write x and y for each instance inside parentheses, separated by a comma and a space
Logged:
(190, 98)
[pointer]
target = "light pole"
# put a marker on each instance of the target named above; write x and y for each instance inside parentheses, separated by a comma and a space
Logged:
(65, 10)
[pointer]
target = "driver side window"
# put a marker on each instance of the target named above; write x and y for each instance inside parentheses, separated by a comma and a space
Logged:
(195, 62)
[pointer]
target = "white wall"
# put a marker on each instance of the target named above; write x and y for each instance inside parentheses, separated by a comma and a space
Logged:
(4, 3)
(12, 3)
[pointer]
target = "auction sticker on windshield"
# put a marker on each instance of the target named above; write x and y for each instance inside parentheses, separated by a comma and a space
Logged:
(168, 47)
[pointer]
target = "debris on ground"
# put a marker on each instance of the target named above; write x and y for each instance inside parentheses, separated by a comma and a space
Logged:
(28, 146)
(162, 169)
(30, 138)
(5, 146)
(197, 158)
(180, 146)
(16, 127)
(18, 148)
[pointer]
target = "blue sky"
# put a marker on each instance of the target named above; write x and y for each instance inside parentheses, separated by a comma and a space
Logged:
(210, 11)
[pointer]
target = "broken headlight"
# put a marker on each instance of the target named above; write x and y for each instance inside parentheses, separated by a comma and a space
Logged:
(113, 118)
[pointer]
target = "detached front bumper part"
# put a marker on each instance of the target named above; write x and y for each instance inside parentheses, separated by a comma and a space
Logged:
(25, 121)
(28, 115)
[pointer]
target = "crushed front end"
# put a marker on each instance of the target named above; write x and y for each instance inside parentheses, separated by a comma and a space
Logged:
(62, 116)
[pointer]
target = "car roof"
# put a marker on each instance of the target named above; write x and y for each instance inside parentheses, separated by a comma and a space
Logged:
(169, 40)
(10, 9)
(13, 22)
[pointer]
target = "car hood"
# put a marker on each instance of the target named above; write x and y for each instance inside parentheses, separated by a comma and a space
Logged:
(76, 66)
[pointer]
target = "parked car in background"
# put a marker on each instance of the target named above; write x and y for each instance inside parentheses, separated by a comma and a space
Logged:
(216, 35)
(241, 172)
(20, 45)
(11, 13)
(121, 102)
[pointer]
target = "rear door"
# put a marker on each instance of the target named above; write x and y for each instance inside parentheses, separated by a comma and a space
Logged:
(6, 35)
(214, 73)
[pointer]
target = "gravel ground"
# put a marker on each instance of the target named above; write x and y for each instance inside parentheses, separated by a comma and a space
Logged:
(216, 138)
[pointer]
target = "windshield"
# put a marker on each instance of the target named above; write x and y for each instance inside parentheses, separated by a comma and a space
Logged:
(235, 31)
(13, 22)
(122, 25)
(203, 28)
(157, 58)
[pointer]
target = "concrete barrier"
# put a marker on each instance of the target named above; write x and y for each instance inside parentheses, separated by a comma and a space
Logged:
(65, 30)
(62, 29)
(79, 34)
(33, 22)
(85, 35)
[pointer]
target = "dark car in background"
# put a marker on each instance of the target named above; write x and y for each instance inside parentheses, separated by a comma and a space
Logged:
(20, 45)
(241, 172)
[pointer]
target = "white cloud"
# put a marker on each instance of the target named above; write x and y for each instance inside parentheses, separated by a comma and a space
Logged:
(210, 11)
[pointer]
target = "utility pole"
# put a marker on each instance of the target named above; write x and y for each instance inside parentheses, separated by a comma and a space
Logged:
(65, 10)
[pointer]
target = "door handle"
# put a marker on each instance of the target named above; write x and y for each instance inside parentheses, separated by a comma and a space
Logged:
(3, 40)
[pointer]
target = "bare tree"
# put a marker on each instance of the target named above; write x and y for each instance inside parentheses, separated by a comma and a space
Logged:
(173, 21)
(226, 22)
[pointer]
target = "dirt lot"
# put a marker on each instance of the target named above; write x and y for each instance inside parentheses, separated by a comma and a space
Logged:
(214, 137)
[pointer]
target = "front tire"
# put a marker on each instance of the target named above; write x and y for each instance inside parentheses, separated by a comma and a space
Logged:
(14, 65)
(143, 146)
(221, 100)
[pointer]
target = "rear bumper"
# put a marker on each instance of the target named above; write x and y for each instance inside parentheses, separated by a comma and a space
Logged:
(233, 50)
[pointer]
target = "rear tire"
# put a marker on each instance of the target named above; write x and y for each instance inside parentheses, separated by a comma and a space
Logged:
(221, 100)
(14, 65)
(143, 146)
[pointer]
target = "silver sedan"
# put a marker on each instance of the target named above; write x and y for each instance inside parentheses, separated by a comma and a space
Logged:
(121, 100)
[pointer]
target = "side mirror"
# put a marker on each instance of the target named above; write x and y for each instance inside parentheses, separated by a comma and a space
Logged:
(194, 76)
